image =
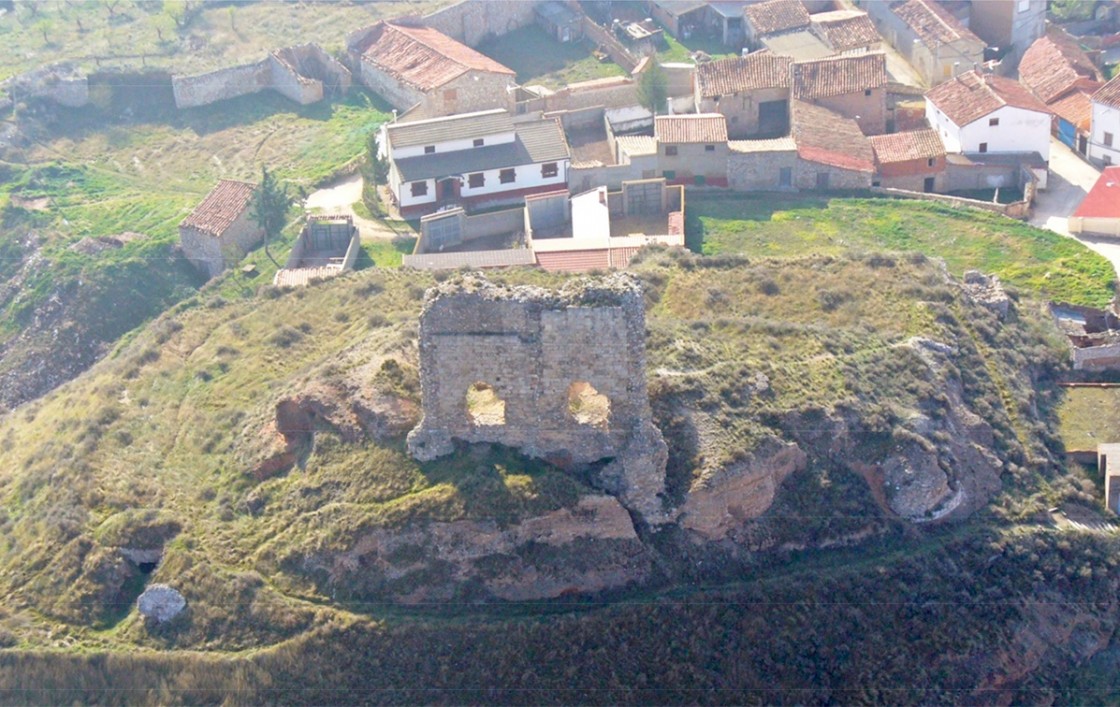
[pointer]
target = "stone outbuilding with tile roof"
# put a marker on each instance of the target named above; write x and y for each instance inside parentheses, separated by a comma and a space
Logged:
(692, 148)
(913, 160)
(853, 86)
(751, 91)
(426, 73)
(221, 229)
(985, 113)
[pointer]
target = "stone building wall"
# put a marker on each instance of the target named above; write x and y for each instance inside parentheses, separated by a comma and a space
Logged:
(805, 176)
(759, 171)
(869, 111)
(220, 85)
(473, 91)
(531, 346)
(396, 93)
(212, 254)
(473, 21)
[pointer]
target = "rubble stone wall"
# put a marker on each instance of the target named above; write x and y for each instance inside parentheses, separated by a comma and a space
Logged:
(473, 21)
(530, 345)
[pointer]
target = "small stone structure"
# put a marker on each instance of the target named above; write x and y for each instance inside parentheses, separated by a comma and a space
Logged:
(559, 375)
(221, 229)
(987, 291)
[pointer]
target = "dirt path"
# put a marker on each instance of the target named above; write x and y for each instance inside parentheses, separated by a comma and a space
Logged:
(339, 197)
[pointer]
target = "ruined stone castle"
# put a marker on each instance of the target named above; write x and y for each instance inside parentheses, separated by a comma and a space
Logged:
(559, 375)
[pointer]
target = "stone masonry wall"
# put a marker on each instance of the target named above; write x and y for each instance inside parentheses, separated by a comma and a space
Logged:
(473, 21)
(220, 85)
(530, 345)
(759, 171)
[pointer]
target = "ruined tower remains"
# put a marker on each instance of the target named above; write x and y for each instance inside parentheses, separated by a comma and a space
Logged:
(559, 375)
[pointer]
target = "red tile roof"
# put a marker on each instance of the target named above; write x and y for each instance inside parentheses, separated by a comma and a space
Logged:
(973, 95)
(1103, 200)
(829, 138)
(1109, 94)
(777, 16)
(903, 147)
(575, 260)
(933, 24)
(702, 127)
(760, 70)
(846, 29)
(1054, 65)
(423, 57)
(221, 207)
(1075, 108)
(837, 76)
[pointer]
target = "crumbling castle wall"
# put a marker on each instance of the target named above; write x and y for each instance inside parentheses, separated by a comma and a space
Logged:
(538, 353)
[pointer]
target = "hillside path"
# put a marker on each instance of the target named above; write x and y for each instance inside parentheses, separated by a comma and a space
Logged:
(339, 197)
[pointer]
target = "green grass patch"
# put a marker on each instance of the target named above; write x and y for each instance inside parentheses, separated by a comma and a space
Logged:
(680, 50)
(1089, 416)
(1035, 260)
(385, 253)
(539, 59)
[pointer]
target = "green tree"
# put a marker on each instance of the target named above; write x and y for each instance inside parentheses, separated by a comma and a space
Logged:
(378, 166)
(270, 207)
(653, 87)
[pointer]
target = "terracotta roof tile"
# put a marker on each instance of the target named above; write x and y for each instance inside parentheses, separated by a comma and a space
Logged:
(837, 76)
(1103, 200)
(702, 127)
(221, 207)
(423, 57)
(575, 260)
(778, 144)
(973, 95)
(1075, 108)
(933, 24)
(846, 29)
(760, 70)
(829, 138)
(1109, 94)
(777, 16)
(1054, 65)
(903, 147)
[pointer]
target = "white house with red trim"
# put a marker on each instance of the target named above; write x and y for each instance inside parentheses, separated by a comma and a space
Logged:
(475, 159)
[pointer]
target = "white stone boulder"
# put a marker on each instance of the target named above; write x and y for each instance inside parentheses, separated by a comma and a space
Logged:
(160, 603)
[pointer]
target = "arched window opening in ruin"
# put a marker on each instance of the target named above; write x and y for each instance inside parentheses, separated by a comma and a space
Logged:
(588, 406)
(484, 406)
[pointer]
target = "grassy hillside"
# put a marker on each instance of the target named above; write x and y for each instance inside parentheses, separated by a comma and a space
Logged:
(213, 34)
(1033, 259)
(159, 444)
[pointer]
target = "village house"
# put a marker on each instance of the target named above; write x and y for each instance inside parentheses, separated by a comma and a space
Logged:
(1010, 25)
(832, 151)
(934, 41)
(985, 113)
(751, 91)
(221, 229)
(762, 165)
(853, 86)
(427, 73)
(475, 159)
(692, 148)
(913, 160)
(1104, 141)
(846, 31)
(1059, 72)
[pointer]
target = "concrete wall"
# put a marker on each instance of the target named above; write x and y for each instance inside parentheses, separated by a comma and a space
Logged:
(1100, 226)
(530, 346)
(741, 109)
(494, 223)
(1018, 210)
(760, 171)
(580, 179)
(473, 21)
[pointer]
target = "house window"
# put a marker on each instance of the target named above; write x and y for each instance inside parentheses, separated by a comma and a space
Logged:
(930, 162)
(476, 180)
(479, 142)
(549, 169)
(867, 91)
(993, 122)
(1108, 139)
(419, 188)
(670, 150)
(507, 175)
(429, 149)
(983, 147)
(709, 148)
